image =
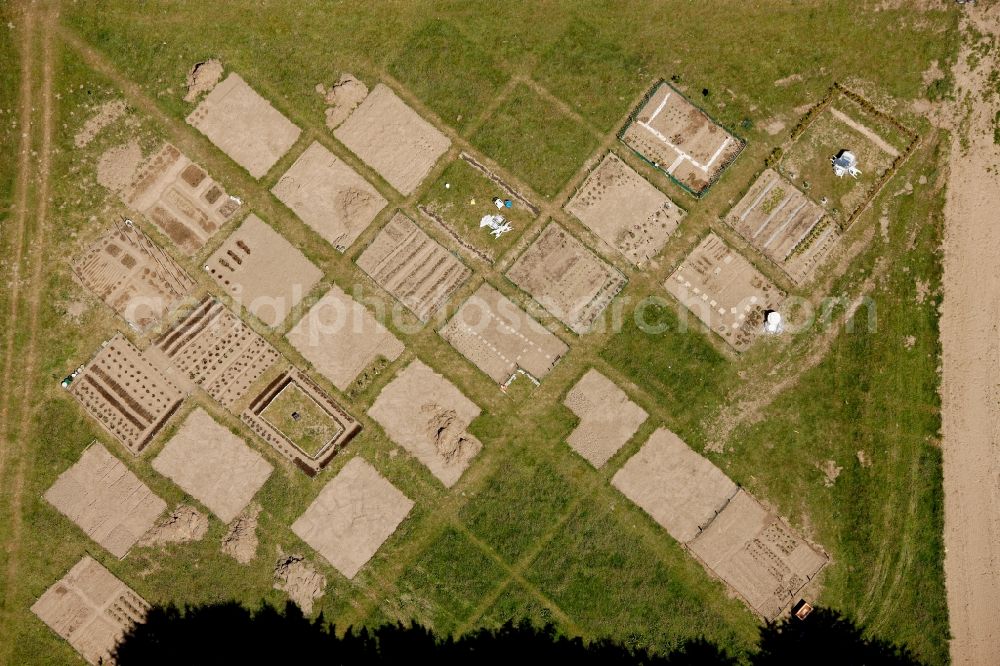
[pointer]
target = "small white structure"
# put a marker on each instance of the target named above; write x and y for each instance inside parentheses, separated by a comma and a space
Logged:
(496, 223)
(773, 323)
(845, 162)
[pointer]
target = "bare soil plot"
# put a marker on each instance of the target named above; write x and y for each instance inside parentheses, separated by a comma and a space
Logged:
(625, 210)
(299, 580)
(352, 516)
(608, 418)
(566, 278)
(393, 139)
(91, 609)
(130, 273)
(180, 198)
(758, 555)
(429, 416)
(413, 267)
(680, 139)
(105, 115)
(212, 348)
(329, 196)
(213, 465)
(677, 487)
(281, 430)
(244, 125)
(499, 337)
(724, 291)
(263, 271)
(127, 394)
(106, 500)
(341, 338)
(784, 224)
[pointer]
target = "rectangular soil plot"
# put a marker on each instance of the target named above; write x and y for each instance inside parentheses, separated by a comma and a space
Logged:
(301, 421)
(566, 278)
(785, 225)
(126, 393)
(393, 139)
(130, 273)
(91, 609)
(413, 267)
(244, 125)
(263, 271)
(341, 338)
(680, 139)
(678, 488)
(429, 417)
(180, 198)
(352, 516)
(758, 555)
(724, 291)
(608, 418)
(329, 196)
(499, 337)
(215, 350)
(106, 500)
(625, 210)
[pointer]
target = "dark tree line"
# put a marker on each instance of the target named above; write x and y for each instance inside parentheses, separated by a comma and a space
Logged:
(230, 633)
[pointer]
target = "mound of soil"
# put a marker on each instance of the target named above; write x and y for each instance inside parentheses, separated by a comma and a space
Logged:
(202, 78)
(299, 580)
(240, 541)
(183, 525)
(342, 98)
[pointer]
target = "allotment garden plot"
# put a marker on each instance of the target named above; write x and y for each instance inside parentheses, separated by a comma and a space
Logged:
(625, 211)
(608, 419)
(680, 139)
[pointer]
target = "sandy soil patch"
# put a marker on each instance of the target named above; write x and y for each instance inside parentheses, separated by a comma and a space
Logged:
(244, 125)
(341, 338)
(283, 431)
(788, 80)
(212, 348)
(393, 139)
(680, 489)
(329, 196)
(608, 418)
(240, 542)
(413, 267)
(182, 525)
(781, 222)
(680, 139)
(105, 115)
(352, 517)
(498, 337)
(91, 609)
(566, 278)
(262, 271)
(202, 77)
(299, 580)
(106, 500)
(758, 555)
(180, 198)
(625, 210)
(126, 393)
(117, 166)
(130, 273)
(342, 98)
(429, 416)
(213, 465)
(724, 291)
(970, 388)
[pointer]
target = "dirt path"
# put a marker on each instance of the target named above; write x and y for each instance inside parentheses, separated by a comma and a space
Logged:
(970, 390)
(872, 136)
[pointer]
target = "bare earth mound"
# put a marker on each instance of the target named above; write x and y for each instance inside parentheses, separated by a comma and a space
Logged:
(106, 500)
(608, 418)
(244, 125)
(724, 291)
(182, 525)
(391, 138)
(341, 338)
(352, 517)
(428, 416)
(202, 78)
(240, 542)
(329, 196)
(117, 166)
(263, 271)
(566, 278)
(105, 115)
(625, 210)
(213, 465)
(299, 580)
(91, 609)
(342, 97)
